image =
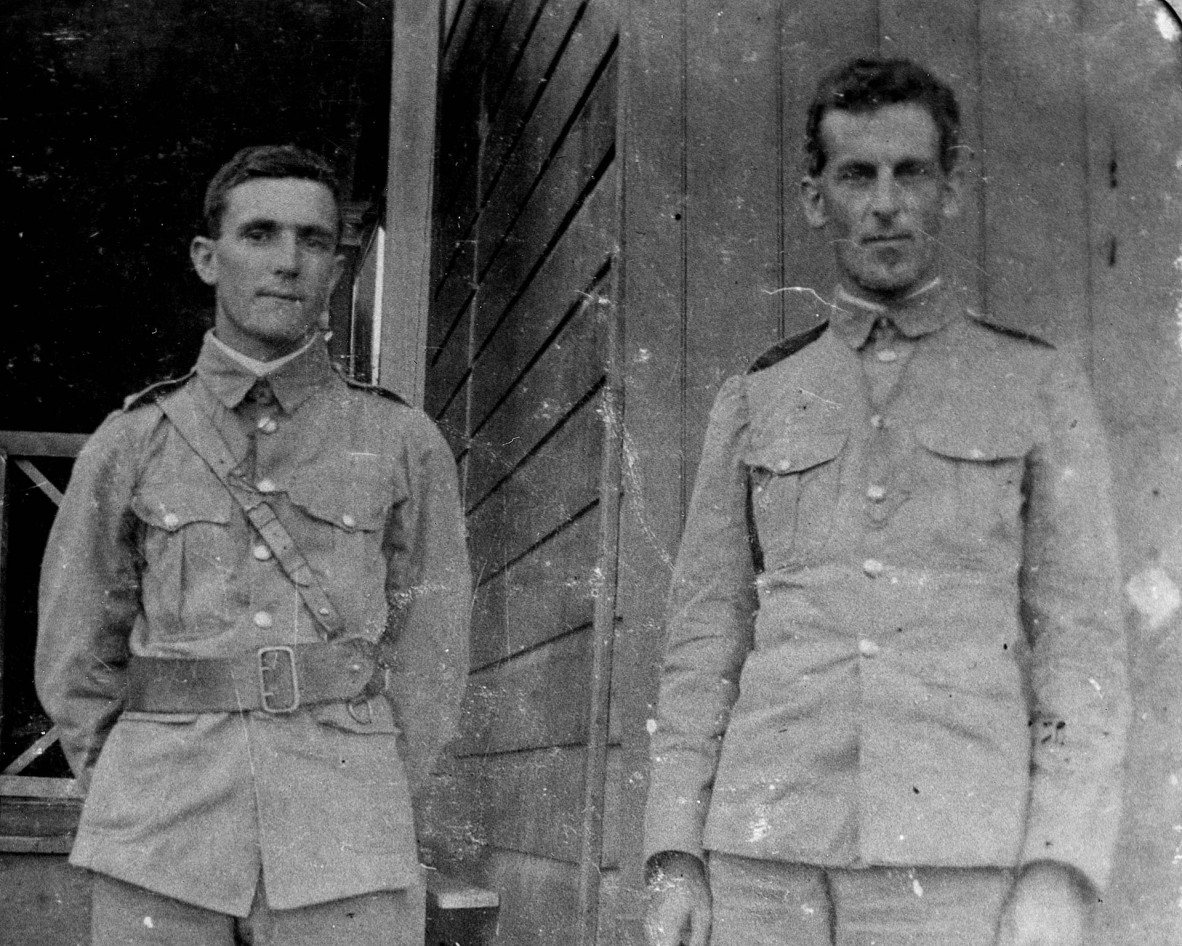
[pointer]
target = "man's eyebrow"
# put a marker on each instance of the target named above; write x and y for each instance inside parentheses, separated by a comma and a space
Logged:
(258, 223)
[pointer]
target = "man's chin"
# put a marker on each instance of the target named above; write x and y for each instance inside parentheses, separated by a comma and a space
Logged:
(887, 283)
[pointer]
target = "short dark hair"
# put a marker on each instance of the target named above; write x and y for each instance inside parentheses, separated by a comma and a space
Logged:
(864, 85)
(266, 161)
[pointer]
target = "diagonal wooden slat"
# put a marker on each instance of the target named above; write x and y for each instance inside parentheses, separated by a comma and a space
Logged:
(40, 481)
(34, 751)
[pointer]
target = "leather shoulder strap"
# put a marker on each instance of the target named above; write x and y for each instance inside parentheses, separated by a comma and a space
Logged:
(205, 441)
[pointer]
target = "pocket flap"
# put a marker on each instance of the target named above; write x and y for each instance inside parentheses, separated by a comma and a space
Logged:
(796, 451)
(171, 506)
(351, 504)
(983, 445)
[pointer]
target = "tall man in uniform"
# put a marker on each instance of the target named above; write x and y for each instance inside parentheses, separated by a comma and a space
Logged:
(254, 608)
(893, 703)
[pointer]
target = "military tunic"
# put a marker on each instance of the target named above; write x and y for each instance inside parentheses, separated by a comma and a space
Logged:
(150, 556)
(895, 631)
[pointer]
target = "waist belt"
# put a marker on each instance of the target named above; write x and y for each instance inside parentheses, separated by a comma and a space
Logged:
(274, 679)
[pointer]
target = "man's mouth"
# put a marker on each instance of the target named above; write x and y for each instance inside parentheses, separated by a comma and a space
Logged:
(283, 296)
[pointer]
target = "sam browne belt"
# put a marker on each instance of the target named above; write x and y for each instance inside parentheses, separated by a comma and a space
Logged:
(277, 678)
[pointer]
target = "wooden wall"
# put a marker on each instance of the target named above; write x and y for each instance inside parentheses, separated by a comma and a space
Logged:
(519, 346)
(1073, 112)
(622, 221)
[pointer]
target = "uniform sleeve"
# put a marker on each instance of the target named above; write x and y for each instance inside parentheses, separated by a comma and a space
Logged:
(89, 597)
(710, 626)
(429, 590)
(1073, 613)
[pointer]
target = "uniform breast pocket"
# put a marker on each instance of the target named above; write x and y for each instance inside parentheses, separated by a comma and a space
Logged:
(973, 480)
(793, 481)
(188, 555)
(344, 514)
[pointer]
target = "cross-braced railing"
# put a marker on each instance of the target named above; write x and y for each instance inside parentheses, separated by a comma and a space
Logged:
(37, 813)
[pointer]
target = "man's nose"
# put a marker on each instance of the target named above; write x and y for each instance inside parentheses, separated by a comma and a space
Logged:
(884, 200)
(287, 257)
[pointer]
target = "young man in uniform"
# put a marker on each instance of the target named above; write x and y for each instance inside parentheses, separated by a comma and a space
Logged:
(893, 704)
(254, 611)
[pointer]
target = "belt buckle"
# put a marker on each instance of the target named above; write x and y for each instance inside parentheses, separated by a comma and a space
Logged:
(272, 661)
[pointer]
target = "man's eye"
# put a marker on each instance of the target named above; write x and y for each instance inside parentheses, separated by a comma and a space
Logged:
(855, 176)
(257, 235)
(316, 242)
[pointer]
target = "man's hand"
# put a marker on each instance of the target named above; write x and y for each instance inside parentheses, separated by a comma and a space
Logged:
(679, 901)
(1047, 907)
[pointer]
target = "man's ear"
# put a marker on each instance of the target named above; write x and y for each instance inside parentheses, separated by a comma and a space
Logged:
(338, 270)
(202, 253)
(954, 187)
(812, 201)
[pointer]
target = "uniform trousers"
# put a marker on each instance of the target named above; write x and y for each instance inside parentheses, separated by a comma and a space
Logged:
(124, 914)
(767, 903)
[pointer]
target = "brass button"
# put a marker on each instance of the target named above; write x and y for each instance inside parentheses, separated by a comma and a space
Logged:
(261, 552)
(876, 493)
(267, 425)
(873, 567)
(171, 520)
(877, 421)
(265, 486)
(348, 521)
(263, 619)
(867, 648)
(887, 354)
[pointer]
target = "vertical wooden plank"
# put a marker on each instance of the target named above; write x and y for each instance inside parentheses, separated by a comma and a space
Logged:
(652, 297)
(733, 183)
(406, 293)
(1134, 123)
(943, 36)
(815, 37)
(538, 898)
(603, 631)
(1034, 167)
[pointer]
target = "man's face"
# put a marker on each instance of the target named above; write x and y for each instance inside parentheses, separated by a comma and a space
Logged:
(883, 195)
(273, 266)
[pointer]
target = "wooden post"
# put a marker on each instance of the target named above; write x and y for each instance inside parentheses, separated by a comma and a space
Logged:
(406, 292)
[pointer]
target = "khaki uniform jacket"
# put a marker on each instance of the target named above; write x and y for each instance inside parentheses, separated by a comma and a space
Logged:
(895, 629)
(150, 555)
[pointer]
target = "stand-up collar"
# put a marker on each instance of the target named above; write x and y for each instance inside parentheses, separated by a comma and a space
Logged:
(229, 379)
(920, 313)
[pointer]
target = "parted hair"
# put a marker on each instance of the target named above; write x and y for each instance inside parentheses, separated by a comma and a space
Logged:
(863, 85)
(265, 161)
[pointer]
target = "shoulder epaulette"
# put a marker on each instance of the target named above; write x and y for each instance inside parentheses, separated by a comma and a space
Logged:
(1008, 330)
(154, 392)
(374, 389)
(789, 346)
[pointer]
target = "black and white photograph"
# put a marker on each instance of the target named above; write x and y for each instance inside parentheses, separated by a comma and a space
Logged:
(592, 473)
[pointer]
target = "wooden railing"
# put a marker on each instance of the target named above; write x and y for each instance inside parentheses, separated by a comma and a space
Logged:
(37, 814)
